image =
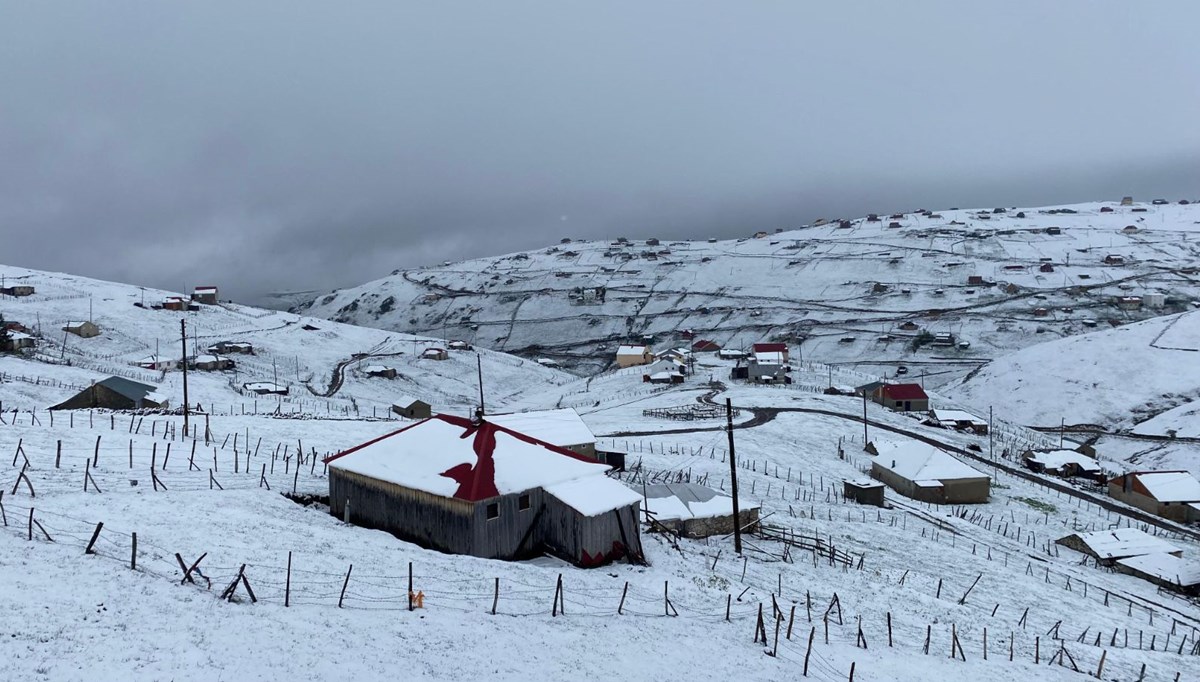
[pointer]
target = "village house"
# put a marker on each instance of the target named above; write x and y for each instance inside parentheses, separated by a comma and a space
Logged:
(975, 280)
(632, 356)
(780, 348)
(908, 326)
(381, 371)
(1129, 302)
(1053, 230)
(901, 397)
(411, 408)
(1045, 267)
(705, 346)
(18, 341)
(1172, 495)
(695, 511)
(1114, 259)
(1063, 463)
(927, 474)
(1154, 300)
(475, 487)
(1041, 312)
(174, 303)
(435, 354)
(207, 362)
(664, 371)
(156, 362)
(1165, 570)
(1107, 546)
(17, 290)
(459, 345)
(265, 388)
(228, 347)
(1129, 229)
(959, 420)
(1127, 201)
(561, 427)
(115, 393)
(731, 354)
(206, 295)
(82, 329)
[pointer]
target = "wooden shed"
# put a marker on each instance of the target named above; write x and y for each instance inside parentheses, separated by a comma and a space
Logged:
(84, 330)
(474, 487)
(115, 393)
(410, 408)
(864, 491)
(381, 371)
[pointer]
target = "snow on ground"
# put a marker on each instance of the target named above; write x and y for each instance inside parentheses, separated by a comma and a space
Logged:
(298, 358)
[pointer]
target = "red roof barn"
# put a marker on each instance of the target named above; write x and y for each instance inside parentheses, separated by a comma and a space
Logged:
(475, 487)
(771, 348)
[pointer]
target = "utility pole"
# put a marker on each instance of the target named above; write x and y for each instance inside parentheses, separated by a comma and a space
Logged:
(479, 367)
(737, 522)
(990, 453)
(865, 438)
(1062, 431)
(183, 346)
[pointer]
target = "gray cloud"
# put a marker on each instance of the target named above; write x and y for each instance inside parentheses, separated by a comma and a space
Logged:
(310, 146)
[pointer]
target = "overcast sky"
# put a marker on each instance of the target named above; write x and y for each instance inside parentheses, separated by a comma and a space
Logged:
(270, 146)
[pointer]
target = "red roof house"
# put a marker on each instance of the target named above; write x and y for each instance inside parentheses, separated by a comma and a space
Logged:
(706, 346)
(902, 397)
(771, 348)
(475, 487)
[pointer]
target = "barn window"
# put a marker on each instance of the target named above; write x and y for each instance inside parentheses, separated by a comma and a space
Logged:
(523, 503)
(493, 511)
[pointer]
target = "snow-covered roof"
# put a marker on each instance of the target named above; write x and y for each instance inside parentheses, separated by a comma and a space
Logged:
(631, 350)
(731, 353)
(206, 290)
(661, 376)
(1056, 459)
(262, 386)
(1166, 567)
(593, 495)
(920, 462)
(19, 336)
(372, 369)
(1124, 542)
(134, 390)
(683, 501)
(1170, 486)
(454, 457)
(204, 357)
(955, 416)
(561, 427)
(403, 401)
(769, 358)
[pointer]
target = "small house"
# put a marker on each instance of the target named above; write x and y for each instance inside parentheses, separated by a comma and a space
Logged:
(695, 511)
(18, 341)
(1129, 229)
(380, 371)
(864, 491)
(909, 326)
(17, 290)
(664, 371)
(1063, 463)
(411, 408)
(1154, 300)
(959, 420)
(265, 388)
(731, 354)
(1107, 546)
(82, 329)
(634, 355)
(1127, 201)
(705, 346)
(559, 427)
(975, 280)
(174, 303)
(1114, 259)
(1172, 495)
(435, 354)
(1053, 230)
(927, 474)
(1046, 267)
(901, 397)
(228, 347)
(156, 362)
(206, 295)
(1165, 570)
(459, 345)
(1106, 209)
(780, 348)
(207, 362)
(115, 393)
(477, 488)
(653, 241)
(1129, 302)
(1041, 312)
(761, 234)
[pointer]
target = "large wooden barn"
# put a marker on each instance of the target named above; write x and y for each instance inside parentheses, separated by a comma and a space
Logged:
(926, 473)
(115, 393)
(475, 487)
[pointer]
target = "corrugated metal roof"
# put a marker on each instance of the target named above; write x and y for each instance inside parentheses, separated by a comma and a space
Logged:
(130, 389)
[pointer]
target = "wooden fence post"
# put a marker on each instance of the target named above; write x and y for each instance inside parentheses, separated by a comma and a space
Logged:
(346, 583)
(287, 586)
(95, 536)
(133, 554)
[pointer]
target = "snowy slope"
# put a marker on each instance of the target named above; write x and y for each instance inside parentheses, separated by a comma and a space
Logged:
(816, 282)
(1115, 378)
(304, 360)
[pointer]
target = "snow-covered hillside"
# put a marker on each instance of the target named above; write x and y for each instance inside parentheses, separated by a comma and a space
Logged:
(997, 280)
(319, 361)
